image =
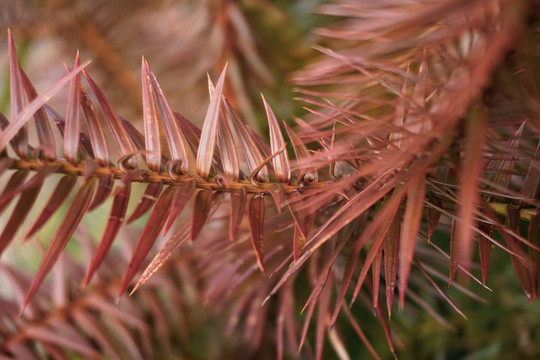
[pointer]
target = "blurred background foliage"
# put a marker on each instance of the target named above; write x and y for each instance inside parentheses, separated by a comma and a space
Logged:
(264, 42)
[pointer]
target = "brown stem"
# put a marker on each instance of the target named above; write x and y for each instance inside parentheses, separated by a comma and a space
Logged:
(151, 176)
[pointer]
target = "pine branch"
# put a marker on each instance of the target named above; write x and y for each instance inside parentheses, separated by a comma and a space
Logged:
(404, 133)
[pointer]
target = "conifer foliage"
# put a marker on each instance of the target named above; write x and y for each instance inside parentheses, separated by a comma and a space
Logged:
(421, 119)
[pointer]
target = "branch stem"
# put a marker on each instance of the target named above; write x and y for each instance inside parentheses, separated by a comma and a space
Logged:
(151, 176)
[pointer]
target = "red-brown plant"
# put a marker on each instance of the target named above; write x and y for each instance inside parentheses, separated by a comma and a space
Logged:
(422, 116)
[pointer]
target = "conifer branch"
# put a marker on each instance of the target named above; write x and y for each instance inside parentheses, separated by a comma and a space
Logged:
(407, 132)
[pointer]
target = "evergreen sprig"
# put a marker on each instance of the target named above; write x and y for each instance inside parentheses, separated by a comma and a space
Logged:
(411, 128)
